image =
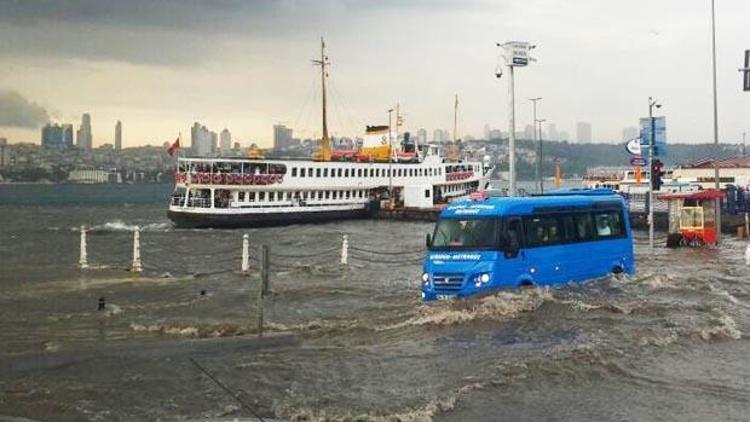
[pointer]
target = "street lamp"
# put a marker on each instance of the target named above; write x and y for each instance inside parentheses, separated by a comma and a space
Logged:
(515, 53)
(539, 157)
(533, 101)
(651, 104)
(390, 159)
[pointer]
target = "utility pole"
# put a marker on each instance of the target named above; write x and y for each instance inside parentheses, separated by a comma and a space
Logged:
(533, 101)
(390, 159)
(716, 121)
(325, 142)
(744, 145)
(540, 157)
(651, 104)
(515, 53)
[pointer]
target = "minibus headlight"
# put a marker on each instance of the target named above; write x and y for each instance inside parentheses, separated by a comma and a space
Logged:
(485, 278)
(425, 277)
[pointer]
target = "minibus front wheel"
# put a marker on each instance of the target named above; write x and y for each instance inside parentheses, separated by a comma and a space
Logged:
(526, 284)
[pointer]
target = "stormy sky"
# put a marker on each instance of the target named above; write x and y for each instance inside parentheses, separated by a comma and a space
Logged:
(245, 65)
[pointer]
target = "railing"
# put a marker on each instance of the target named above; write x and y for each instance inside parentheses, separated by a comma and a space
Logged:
(229, 178)
(179, 201)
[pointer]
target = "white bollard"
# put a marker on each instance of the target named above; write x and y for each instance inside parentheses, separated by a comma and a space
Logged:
(83, 260)
(136, 267)
(245, 253)
(344, 250)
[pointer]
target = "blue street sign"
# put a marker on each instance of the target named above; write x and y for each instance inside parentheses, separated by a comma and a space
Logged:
(638, 161)
(660, 131)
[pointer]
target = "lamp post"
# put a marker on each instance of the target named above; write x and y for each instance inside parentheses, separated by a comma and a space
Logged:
(716, 121)
(539, 157)
(533, 101)
(651, 104)
(390, 159)
(515, 53)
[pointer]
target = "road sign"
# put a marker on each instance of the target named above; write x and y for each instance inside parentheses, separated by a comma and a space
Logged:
(746, 72)
(660, 130)
(638, 161)
(633, 146)
(517, 53)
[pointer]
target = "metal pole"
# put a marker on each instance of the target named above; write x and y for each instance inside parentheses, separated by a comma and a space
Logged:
(390, 160)
(245, 254)
(136, 267)
(744, 145)
(511, 133)
(716, 121)
(83, 260)
(264, 270)
(344, 249)
(651, 178)
(540, 160)
(533, 101)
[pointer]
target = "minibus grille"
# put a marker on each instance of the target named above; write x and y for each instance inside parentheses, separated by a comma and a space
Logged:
(448, 283)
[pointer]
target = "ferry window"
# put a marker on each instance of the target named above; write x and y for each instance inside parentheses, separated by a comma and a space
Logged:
(542, 230)
(261, 196)
(335, 194)
(302, 172)
(470, 233)
(294, 171)
(608, 224)
(310, 172)
(347, 194)
(328, 194)
(251, 197)
(325, 172)
(339, 173)
(359, 172)
(271, 196)
(241, 196)
(426, 193)
(317, 172)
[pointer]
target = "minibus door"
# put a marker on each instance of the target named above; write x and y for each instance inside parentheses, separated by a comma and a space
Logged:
(514, 265)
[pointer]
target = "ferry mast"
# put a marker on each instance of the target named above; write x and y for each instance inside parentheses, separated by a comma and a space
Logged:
(325, 143)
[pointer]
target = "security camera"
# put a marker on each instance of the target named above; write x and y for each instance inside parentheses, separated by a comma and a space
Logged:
(498, 72)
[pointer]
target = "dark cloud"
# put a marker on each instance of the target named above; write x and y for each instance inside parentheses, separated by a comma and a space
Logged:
(17, 111)
(176, 32)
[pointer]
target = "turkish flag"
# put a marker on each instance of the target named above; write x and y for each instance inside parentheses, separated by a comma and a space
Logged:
(174, 147)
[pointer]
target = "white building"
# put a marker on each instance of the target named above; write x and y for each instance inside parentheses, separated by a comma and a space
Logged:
(583, 132)
(201, 140)
(225, 142)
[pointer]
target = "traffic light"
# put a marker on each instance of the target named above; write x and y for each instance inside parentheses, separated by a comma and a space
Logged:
(656, 174)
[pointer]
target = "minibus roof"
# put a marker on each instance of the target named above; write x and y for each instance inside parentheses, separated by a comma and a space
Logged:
(556, 201)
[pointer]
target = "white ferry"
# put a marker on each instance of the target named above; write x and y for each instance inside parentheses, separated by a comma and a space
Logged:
(333, 185)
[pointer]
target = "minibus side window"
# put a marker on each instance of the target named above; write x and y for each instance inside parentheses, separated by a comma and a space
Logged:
(583, 227)
(608, 224)
(513, 231)
(542, 230)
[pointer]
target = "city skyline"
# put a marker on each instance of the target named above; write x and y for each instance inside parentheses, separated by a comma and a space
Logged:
(157, 68)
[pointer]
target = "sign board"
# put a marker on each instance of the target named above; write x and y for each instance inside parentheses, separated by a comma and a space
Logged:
(660, 131)
(746, 72)
(633, 146)
(638, 161)
(517, 53)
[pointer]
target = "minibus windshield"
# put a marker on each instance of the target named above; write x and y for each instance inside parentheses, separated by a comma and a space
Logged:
(453, 233)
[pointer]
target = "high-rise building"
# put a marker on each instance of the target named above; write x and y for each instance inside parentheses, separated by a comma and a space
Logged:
(629, 133)
(487, 132)
(583, 132)
(52, 136)
(201, 140)
(564, 136)
(552, 134)
(67, 134)
(422, 136)
(4, 159)
(282, 137)
(118, 136)
(84, 133)
(528, 132)
(225, 141)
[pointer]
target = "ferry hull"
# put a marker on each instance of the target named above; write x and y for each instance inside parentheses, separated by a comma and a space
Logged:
(229, 221)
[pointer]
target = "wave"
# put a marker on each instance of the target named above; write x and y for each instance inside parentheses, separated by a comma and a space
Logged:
(499, 306)
(724, 327)
(121, 226)
(186, 330)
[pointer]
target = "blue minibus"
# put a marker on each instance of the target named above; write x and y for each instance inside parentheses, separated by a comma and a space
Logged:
(485, 243)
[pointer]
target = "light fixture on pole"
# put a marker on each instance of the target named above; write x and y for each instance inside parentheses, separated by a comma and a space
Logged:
(651, 104)
(515, 54)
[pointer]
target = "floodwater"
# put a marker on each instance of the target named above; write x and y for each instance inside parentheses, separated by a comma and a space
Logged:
(667, 344)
